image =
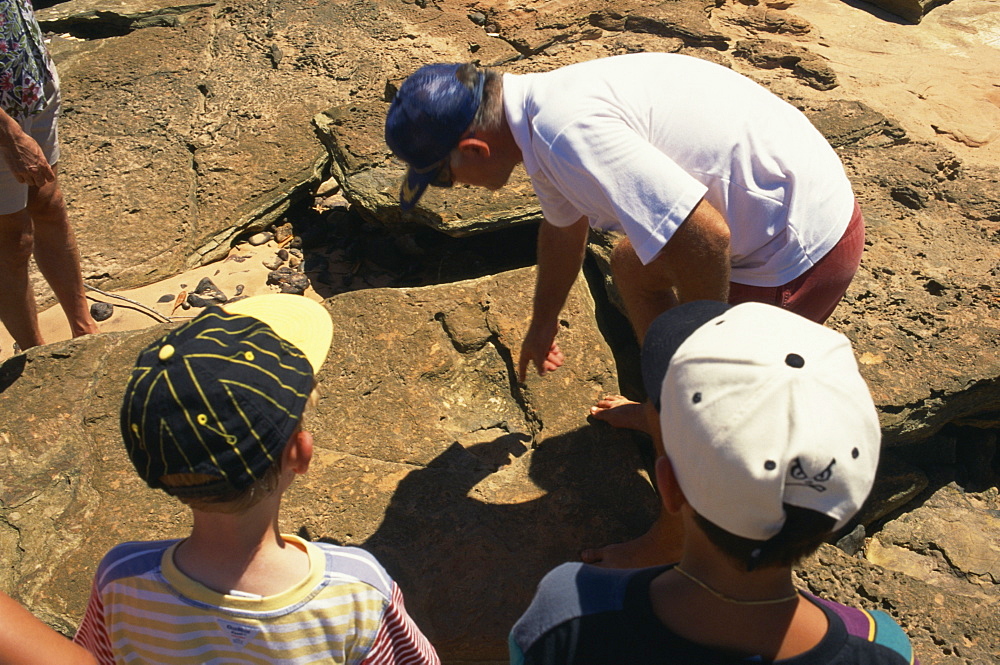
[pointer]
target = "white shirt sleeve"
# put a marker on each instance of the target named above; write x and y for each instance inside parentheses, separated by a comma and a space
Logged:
(601, 168)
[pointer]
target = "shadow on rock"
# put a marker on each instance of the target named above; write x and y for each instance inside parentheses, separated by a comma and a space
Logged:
(445, 545)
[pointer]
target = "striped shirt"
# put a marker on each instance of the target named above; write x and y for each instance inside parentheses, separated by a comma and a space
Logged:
(143, 609)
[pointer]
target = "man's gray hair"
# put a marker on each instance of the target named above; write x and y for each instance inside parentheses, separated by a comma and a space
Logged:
(489, 116)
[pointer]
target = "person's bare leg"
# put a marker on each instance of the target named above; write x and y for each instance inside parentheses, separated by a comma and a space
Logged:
(664, 540)
(57, 256)
(17, 300)
(647, 292)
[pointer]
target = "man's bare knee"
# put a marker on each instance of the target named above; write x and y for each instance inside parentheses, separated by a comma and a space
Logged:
(17, 240)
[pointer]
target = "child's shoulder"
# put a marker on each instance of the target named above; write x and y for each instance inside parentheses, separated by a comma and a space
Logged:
(131, 559)
(872, 626)
(355, 563)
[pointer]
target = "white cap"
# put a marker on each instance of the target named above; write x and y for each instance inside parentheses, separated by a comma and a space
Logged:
(760, 407)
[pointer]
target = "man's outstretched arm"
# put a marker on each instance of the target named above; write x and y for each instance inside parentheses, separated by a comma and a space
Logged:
(560, 255)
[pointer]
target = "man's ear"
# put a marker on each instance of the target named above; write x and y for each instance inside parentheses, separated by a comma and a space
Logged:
(298, 452)
(671, 495)
(473, 147)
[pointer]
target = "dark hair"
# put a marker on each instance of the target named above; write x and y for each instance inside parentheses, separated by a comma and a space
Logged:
(802, 534)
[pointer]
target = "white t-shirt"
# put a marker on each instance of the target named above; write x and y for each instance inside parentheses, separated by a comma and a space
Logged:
(634, 142)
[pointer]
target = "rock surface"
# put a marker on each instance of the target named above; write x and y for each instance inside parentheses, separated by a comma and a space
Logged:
(179, 137)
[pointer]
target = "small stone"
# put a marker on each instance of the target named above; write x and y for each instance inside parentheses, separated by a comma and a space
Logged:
(296, 243)
(239, 291)
(208, 292)
(283, 232)
(328, 186)
(283, 254)
(273, 264)
(259, 238)
(102, 311)
(288, 280)
(167, 298)
(478, 18)
(294, 261)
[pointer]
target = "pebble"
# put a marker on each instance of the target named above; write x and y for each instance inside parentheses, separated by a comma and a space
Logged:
(102, 311)
(273, 263)
(328, 186)
(206, 294)
(283, 232)
(167, 298)
(288, 280)
(260, 238)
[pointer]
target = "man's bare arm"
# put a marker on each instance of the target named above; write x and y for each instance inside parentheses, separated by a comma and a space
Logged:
(560, 255)
(697, 256)
(22, 154)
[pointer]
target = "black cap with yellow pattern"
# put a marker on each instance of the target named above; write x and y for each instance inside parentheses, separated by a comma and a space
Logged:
(222, 394)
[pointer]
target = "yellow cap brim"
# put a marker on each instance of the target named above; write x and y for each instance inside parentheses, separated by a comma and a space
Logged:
(296, 319)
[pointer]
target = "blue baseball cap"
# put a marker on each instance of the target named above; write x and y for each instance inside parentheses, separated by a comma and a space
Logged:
(426, 119)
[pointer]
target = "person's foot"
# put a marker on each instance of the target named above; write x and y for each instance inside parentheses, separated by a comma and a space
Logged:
(642, 552)
(620, 411)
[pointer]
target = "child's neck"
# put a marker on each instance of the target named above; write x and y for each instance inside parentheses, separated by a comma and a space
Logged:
(731, 617)
(243, 552)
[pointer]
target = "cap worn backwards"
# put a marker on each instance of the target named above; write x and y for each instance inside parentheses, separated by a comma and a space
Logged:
(760, 407)
(426, 119)
(222, 394)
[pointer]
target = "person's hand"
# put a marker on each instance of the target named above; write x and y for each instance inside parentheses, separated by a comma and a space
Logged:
(539, 346)
(24, 156)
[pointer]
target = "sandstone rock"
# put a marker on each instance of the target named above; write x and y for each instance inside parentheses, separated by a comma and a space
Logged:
(911, 10)
(952, 542)
(806, 65)
(429, 452)
(944, 627)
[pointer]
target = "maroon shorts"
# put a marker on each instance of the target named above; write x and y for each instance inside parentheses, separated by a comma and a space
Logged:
(815, 293)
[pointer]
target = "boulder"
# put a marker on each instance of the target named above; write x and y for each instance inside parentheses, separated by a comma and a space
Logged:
(911, 10)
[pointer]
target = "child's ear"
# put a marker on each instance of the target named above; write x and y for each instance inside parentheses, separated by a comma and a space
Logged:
(298, 452)
(671, 496)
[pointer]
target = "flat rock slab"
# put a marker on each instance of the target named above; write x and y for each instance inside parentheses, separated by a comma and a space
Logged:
(467, 485)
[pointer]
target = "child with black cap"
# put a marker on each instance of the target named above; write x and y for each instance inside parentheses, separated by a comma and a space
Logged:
(213, 416)
(769, 441)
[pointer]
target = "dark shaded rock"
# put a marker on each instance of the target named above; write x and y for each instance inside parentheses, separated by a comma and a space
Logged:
(289, 280)
(102, 311)
(805, 64)
(912, 10)
(283, 232)
(206, 294)
(169, 297)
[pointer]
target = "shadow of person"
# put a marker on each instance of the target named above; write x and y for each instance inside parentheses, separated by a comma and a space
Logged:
(469, 536)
